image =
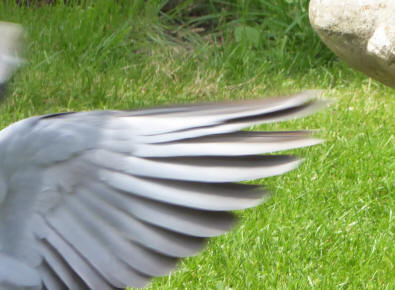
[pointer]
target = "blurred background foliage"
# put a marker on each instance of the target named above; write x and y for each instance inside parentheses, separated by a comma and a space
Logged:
(329, 224)
(259, 25)
(231, 43)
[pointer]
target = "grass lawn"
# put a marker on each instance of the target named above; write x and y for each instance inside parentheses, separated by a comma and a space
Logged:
(330, 223)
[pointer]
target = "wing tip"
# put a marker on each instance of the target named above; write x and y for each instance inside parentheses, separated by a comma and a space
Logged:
(313, 93)
(316, 141)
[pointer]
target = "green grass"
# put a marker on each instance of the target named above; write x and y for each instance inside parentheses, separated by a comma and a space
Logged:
(330, 223)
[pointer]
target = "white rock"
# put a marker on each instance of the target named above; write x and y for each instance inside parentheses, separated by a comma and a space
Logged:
(361, 32)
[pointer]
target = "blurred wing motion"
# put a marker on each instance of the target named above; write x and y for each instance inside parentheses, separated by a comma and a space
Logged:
(103, 200)
(10, 40)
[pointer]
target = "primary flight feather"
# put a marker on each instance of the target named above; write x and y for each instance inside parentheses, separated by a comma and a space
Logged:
(109, 199)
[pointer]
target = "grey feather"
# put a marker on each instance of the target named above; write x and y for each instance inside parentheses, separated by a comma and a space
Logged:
(96, 253)
(137, 257)
(231, 144)
(58, 265)
(159, 124)
(49, 278)
(179, 219)
(120, 129)
(204, 169)
(157, 239)
(74, 259)
(205, 196)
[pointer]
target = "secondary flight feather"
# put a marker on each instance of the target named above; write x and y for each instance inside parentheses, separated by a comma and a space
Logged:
(109, 199)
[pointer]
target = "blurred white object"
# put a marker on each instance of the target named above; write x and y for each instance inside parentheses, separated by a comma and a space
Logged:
(10, 47)
(361, 32)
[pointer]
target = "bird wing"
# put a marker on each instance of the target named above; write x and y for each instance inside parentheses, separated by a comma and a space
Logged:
(109, 199)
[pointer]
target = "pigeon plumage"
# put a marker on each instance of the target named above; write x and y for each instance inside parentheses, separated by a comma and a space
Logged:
(109, 199)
